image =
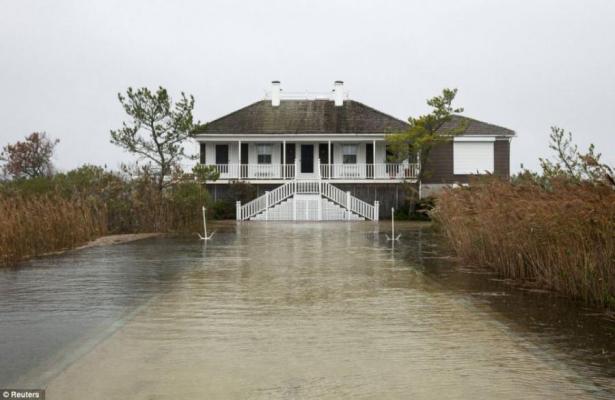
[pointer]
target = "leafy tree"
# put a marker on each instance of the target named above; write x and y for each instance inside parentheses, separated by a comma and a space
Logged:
(425, 132)
(30, 158)
(157, 130)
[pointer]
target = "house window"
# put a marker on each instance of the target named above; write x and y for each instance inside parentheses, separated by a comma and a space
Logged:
(263, 152)
(349, 153)
(473, 157)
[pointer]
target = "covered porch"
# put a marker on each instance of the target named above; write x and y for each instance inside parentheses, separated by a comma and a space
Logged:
(342, 159)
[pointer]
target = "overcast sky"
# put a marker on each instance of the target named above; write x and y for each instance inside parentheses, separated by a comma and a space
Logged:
(525, 65)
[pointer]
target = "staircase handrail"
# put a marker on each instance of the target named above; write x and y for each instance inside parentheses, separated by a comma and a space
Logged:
(340, 197)
(268, 199)
(325, 189)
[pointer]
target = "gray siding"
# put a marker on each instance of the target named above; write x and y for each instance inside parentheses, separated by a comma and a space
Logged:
(501, 152)
(439, 167)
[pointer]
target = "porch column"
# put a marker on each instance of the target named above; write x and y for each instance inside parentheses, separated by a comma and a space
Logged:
(239, 163)
(330, 168)
(374, 159)
(284, 159)
(417, 166)
(374, 151)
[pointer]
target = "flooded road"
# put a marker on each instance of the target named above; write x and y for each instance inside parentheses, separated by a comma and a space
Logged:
(282, 310)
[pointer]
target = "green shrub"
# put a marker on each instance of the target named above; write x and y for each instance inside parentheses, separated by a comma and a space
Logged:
(222, 209)
(420, 211)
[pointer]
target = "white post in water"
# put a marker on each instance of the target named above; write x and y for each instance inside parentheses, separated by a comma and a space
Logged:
(204, 221)
(238, 210)
(393, 222)
(206, 237)
(393, 237)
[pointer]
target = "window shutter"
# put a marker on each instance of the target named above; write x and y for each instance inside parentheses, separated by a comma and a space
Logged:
(202, 153)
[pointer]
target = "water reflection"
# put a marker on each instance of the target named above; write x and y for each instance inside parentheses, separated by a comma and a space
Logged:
(279, 310)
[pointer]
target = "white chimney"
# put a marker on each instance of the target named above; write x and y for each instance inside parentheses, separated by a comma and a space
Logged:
(275, 93)
(338, 93)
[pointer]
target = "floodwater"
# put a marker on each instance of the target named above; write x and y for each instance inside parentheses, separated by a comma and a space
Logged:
(285, 311)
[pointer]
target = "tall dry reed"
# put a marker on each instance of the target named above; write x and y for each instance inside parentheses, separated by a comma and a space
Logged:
(35, 225)
(46, 214)
(561, 239)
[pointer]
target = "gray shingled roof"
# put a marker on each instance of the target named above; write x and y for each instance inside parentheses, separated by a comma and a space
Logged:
(322, 116)
(475, 127)
(304, 116)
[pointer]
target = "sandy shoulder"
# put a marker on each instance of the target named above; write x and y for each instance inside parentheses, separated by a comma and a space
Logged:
(117, 239)
(107, 240)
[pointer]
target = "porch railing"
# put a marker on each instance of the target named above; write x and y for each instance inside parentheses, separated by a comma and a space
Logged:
(256, 171)
(388, 171)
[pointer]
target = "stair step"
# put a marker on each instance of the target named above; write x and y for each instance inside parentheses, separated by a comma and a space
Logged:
(330, 211)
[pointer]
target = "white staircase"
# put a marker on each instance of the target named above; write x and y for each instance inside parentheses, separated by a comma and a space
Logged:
(307, 200)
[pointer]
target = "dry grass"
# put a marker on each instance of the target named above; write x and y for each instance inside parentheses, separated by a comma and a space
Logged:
(43, 215)
(561, 239)
(35, 225)
(140, 207)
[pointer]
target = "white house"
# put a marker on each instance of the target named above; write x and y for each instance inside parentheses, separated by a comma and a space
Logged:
(322, 156)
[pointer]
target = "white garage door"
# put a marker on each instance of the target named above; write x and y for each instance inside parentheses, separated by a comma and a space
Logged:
(472, 157)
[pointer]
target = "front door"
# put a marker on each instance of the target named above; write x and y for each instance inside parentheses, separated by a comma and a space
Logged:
(307, 158)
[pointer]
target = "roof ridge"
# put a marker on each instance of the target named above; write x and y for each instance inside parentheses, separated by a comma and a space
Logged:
(304, 116)
(483, 122)
(379, 112)
(204, 126)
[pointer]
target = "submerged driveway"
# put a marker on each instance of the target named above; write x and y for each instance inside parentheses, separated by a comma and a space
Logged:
(316, 310)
